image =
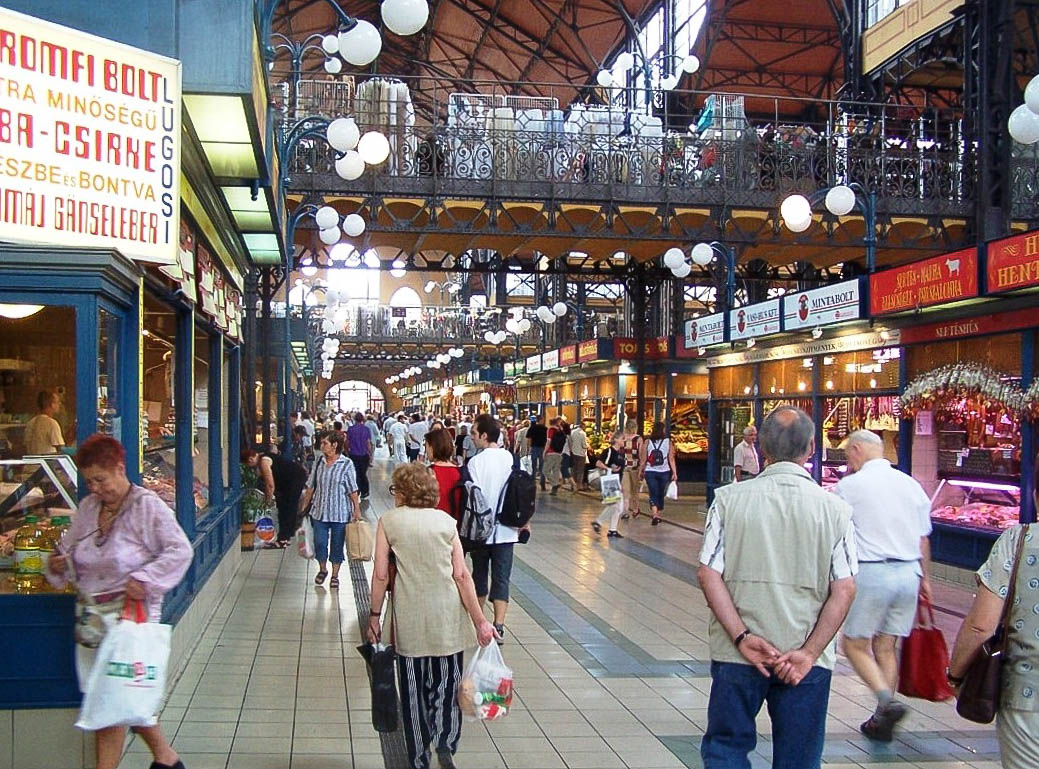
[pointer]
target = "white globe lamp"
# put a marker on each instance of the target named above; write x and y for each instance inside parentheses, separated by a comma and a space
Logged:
(361, 45)
(524, 325)
(374, 148)
(796, 212)
(343, 133)
(353, 225)
(625, 61)
(326, 217)
(1024, 125)
(669, 82)
(1032, 94)
(604, 78)
(405, 17)
(690, 64)
(682, 270)
(333, 66)
(559, 309)
(840, 200)
(488, 336)
(350, 166)
(329, 236)
(702, 254)
(330, 44)
(674, 257)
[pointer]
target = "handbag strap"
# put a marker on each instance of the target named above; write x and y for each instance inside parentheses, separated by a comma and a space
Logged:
(1008, 604)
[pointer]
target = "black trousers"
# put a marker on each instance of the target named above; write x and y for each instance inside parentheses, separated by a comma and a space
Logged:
(361, 466)
(287, 502)
(429, 700)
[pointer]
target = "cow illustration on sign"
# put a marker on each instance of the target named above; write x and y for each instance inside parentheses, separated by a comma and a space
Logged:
(953, 266)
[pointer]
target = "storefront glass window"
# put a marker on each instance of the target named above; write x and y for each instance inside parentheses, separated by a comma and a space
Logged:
(109, 354)
(200, 452)
(791, 377)
(732, 382)
(37, 379)
(158, 415)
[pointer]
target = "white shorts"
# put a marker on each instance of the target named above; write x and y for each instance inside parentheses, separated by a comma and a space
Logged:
(885, 599)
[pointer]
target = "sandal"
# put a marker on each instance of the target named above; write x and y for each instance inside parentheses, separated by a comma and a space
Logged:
(636, 514)
(597, 526)
(334, 582)
(320, 578)
(655, 521)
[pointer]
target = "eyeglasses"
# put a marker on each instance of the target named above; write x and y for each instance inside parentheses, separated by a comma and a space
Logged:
(393, 489)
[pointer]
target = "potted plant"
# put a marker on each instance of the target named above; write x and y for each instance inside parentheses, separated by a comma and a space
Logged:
(253, 502)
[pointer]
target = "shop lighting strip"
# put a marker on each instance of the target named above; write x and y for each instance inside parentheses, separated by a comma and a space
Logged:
(984, 485)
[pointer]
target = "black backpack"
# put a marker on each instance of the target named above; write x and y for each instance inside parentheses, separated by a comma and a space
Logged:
(517, 501)
(656, 456)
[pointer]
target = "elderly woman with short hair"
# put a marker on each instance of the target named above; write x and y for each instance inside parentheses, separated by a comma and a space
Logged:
(434, 612)
(125, 545)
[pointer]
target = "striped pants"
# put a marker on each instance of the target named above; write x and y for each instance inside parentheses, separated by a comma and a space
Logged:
(429, 700)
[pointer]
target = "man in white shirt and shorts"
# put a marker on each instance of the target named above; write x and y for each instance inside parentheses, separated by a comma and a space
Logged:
(892, 517)
(745, 462)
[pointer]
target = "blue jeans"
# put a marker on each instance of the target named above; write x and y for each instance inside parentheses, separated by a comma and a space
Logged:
(325, 531)
(537, 463)
(798, 715)
(656, 485)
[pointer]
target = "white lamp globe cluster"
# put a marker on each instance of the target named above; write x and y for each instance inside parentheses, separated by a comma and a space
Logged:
(358, 150)
(329, 232)
(626, 61)
(1023, 123)
(361, 44)
(797, 213)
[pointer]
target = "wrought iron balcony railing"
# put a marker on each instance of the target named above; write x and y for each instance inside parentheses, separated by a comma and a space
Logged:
(730, 148)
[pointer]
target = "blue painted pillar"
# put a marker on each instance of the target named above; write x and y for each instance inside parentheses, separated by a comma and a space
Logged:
(184, 413)
(817, 416)
(1028, 436)
(234, 417)
(905, 426)
(714, 434)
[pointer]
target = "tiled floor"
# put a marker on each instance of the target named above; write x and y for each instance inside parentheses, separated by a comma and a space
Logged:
(607, 640)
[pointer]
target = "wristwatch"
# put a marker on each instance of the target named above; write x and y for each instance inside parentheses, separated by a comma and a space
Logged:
(953, 680)
(739, 639)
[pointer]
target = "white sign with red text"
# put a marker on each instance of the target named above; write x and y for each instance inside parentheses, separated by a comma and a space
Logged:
(89, 141)
(821, 306)
(754, 320)
(701, 332)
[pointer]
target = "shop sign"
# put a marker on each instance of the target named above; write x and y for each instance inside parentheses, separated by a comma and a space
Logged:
(979, 326)
(182, 271)
(568, 355)
(627, 349)
(534, 364)
(211, 298)
(701, 332)
(550, 360)
(91, 135)
(940, 279)
(234, 313)
(594, 349)
(1013, 262)
(850, 343)
(822, 306)
(754, 320)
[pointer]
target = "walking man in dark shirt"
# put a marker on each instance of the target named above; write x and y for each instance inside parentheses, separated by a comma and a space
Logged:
(537, 437)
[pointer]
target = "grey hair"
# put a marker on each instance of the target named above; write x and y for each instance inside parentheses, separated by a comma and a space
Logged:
(749, 429)
(786, 434)
(865, 437)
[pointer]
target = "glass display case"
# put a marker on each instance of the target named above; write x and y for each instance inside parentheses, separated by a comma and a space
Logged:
(44, 487)
(689, 428)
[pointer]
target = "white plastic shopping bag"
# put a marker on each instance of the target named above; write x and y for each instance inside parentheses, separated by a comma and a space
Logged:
(128, 679)
(485, 692)
(672, 490)
(305, 539)
(610, 485)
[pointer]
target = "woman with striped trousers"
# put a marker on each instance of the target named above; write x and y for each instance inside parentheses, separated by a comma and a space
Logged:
(434, 611)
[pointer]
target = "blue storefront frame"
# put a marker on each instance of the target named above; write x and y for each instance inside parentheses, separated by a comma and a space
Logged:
(36, 643)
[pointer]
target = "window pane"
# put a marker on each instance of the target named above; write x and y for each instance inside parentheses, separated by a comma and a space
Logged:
(157, 414)
(230, 450)
(200, 451)
(37, 366)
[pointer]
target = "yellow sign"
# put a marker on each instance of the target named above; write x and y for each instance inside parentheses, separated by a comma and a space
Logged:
(89, 141)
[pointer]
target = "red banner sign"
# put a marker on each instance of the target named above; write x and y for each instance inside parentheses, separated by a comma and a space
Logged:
(983, 324)
(588, 351)
(940, 279)
(568, 355)
(655, 348)
(1013, 262)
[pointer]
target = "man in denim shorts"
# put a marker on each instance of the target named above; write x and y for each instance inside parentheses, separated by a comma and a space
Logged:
(892, 517)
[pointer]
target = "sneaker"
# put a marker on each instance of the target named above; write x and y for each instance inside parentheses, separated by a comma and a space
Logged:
(615, 534)
(157, 765)
(555, 490)
(881, 725)
(598, 528)
(626, 516)
(500, 630)
(445, 759)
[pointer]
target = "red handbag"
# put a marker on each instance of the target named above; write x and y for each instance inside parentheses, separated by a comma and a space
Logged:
(925, 658)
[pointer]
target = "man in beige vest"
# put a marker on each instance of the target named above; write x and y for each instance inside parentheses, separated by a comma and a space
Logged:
(777, 568)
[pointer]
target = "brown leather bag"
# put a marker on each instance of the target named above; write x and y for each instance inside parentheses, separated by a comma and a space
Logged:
(979, 694)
